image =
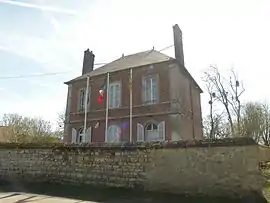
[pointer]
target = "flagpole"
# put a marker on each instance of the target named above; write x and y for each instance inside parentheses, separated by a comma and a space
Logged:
(130, 108)
(86, 104)
(107, 106)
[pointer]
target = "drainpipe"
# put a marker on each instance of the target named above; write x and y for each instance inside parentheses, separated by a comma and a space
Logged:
(192, 113)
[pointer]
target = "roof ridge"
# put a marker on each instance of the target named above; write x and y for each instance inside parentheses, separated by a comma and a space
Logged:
(147, 51)
(150, 56)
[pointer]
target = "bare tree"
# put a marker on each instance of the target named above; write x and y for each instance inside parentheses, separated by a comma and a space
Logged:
(235, 91)
(266, 126)
(211, 123)
(227, 93)
(215, 128)
(220, 89)
(61, 121)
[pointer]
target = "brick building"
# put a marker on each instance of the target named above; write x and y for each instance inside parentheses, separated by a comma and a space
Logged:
(165, 99)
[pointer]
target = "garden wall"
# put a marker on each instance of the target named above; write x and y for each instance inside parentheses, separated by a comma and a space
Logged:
(227, 167)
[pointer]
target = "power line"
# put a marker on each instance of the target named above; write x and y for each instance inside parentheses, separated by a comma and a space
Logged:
(166, 47)
(57, 73)
(34, 75)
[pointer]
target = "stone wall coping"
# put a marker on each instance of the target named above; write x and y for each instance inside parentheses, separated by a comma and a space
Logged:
(136, 146)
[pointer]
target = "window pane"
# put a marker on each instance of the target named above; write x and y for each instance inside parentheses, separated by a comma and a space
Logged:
(154, 90)
(111, 95)
(115, 95)
(152, 132)
(81, 102)
(150, 90)
(114, 133)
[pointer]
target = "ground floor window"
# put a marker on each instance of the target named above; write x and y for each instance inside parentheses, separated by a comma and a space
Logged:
(114, 133)
(152, 131)
(80, 138)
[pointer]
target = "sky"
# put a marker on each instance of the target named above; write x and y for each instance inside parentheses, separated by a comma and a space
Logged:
(49, 37)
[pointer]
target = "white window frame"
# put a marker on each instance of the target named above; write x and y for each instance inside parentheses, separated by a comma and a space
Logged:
(160, 131)
(147, 132)
(152, 100)
(81, 104)
(80, 135)
(116, 138)
(73, 136)
(140, 132)
(115, 101)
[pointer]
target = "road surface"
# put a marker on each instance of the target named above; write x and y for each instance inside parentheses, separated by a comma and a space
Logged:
(34, 198)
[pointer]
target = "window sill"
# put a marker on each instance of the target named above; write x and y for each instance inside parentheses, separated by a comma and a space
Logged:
(149, 103)
(151, 141)
(122, 107)
(119, 107)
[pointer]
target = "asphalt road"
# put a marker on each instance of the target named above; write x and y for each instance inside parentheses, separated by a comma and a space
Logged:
(35, 198)
(46, 192)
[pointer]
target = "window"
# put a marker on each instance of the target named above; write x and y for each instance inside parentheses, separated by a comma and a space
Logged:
(150, 90)
(80, 138)
(155, 132)
(73, 136)
(114, 133)
(82, 99)
(140, 133)
(151, 131)
(115, 95)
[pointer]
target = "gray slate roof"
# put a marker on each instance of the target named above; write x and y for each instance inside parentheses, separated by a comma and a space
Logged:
(130, 61)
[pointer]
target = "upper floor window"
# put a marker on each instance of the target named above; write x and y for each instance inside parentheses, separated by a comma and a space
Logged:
(150, 90)
(115, 95)
(114, 133)
(82, 93)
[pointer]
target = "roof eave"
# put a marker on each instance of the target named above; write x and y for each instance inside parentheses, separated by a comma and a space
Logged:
(80, 78)
(68, 82)
(201, 91)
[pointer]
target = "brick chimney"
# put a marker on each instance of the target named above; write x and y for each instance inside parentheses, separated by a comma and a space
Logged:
(178, 44)
(88, 61)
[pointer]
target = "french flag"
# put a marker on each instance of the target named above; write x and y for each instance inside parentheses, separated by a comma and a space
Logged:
(102, 90)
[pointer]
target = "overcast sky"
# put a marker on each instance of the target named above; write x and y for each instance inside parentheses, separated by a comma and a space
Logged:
(49, 36)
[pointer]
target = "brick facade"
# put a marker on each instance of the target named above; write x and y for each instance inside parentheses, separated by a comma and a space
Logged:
(162, 111)
(178, 97)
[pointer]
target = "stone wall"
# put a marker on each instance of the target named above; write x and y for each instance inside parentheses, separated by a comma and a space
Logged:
(214, 168)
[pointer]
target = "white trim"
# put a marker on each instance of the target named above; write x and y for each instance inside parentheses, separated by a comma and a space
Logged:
(80, 134)
(107, 106)
(73, 136)
(144, 90)
(140, 133)
(159, 132)
(79, 107)
(86, 105)
(111, 101)
(88, 135)
(130, 108)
